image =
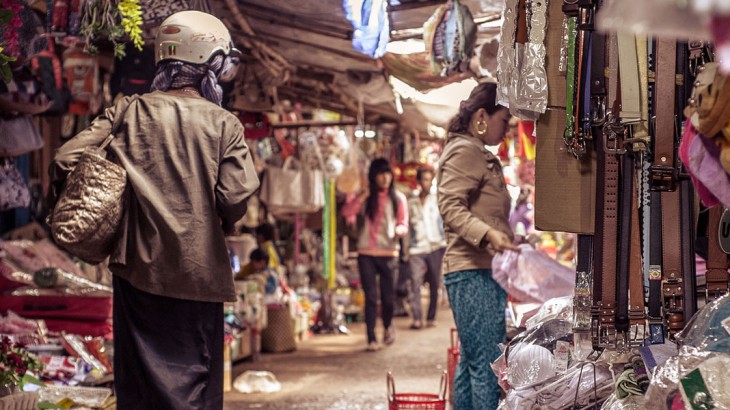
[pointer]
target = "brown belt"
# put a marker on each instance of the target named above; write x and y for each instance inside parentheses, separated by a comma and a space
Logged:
(664, 178)
(606, 230)
(717, 264)
(636, 272)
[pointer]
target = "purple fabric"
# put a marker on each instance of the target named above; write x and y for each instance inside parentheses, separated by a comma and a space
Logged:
(705, 165)
(691, 136)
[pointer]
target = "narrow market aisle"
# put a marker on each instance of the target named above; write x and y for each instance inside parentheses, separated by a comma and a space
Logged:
(334, 372)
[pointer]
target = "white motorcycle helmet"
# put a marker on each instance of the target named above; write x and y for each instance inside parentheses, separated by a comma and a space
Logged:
(191, 36)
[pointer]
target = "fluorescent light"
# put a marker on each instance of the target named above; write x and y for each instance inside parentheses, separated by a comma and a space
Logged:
(369, 134)
(359, 134)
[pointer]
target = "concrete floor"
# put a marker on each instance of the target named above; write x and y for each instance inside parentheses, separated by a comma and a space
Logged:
(334, 372)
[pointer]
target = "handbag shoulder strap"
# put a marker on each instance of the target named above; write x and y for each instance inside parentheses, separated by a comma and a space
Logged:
(115, 126)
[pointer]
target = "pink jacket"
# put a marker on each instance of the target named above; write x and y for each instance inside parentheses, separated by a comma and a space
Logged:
(378, 236)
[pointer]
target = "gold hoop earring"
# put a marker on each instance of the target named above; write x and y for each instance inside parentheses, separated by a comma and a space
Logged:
(481, 131)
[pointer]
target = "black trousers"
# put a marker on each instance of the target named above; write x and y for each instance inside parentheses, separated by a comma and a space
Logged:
(370, 267)
(426, 268)
(168, 353)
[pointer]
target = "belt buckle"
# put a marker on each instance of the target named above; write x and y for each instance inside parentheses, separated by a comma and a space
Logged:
(612, 130)
(674, 285)
(637, 331)
(663, 178)
(716, 292)
(656, 330)
(598, 110)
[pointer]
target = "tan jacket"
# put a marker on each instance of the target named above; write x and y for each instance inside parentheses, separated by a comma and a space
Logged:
(473, 199)
(189, 169)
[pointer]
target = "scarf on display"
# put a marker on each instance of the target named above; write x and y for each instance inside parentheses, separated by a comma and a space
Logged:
(178, 74)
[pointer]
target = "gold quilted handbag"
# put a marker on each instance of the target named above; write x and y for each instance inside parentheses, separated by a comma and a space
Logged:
(89, 210)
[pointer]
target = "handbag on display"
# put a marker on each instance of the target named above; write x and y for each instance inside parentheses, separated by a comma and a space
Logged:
(350, 181)
(288, 190)
(19, 135)
(14, 192)
(89, 210)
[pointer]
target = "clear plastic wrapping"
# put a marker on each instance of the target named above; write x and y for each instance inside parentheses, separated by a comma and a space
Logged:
(709, 328)
(580, 385)
(534, 277)
(665, 382)
(556, 308)
(629, 403)
(82, 396)
(535, 355)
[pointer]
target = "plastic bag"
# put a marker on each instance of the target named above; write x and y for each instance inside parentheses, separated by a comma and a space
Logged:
(534, 278)
(557, 308)
(709, 328)
(257, 382)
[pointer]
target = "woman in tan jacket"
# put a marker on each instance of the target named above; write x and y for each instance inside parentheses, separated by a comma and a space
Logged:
(474, 205)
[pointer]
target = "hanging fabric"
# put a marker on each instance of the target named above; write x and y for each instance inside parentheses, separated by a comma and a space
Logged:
(450, 35)
(370, 20)
(521, 66)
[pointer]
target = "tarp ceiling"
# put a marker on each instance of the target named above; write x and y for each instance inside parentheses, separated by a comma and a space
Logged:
(315, 37)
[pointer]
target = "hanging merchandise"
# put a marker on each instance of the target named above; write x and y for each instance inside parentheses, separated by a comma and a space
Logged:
(350, 180)
(521, 64)
(20, 136)
(249, 93)
(81, 71)
(46, 68)
(290, 190)
(14, 191)
(134, 73)
(563, 185)
(256, 125)
(450, 35)
(370, 20)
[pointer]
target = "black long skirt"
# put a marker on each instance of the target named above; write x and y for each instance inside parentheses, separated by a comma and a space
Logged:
(168, 353)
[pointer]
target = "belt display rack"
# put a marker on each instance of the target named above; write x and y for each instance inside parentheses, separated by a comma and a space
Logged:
(625, 100)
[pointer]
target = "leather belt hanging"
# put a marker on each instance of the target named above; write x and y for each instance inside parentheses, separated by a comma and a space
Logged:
(717, 264)
(606, 238)
(687, 195)
(664, 167)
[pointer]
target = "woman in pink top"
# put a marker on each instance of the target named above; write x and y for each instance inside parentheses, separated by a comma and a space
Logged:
(386, 221)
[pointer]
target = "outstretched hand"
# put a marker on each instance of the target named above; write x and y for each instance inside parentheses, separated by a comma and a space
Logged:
(498, 241)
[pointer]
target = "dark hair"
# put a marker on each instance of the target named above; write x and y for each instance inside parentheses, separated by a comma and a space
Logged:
(423, 170)
(484, 96)
(259, 255)
(379, 166)
(266, 231)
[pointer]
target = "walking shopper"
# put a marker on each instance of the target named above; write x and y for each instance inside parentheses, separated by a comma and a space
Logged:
(427, 247)
(386, 221)
(475, 204)
(189, 175)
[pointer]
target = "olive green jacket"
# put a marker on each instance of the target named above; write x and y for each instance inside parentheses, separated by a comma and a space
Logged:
(190, 174)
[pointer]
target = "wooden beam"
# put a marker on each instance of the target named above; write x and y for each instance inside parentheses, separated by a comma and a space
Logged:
(261, 36)
(415, 5)
(299, 124)
(274, 16)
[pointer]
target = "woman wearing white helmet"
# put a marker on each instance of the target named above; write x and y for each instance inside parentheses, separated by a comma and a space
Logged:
(189, 173)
